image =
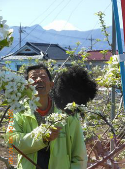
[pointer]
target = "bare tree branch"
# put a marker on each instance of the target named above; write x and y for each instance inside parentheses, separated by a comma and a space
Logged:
(4, 115)
(116, 150)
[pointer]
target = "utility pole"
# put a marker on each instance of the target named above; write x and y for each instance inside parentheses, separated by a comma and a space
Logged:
(20, 38)
(113, 53)
(91, 39)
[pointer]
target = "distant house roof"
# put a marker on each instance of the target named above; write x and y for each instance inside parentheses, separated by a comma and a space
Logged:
(53, 51)
(96, 55)
(48, 51)
(18, 57)
(28, 46)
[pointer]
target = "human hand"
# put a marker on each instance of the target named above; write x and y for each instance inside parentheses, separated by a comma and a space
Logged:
(54, 134)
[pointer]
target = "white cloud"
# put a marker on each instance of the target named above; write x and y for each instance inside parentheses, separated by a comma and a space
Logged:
(59, 25)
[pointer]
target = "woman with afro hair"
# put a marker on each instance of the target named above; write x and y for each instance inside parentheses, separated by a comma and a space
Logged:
(74, 85)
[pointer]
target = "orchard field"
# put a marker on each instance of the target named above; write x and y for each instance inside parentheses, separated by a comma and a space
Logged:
(98, 131)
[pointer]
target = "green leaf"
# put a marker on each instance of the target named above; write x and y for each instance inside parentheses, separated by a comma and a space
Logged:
(28, 92)
(4, 103)
(38, 104)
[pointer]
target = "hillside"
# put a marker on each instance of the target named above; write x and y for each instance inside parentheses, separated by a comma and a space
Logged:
(64, 38)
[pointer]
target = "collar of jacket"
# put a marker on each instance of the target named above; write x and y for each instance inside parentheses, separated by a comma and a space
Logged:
(30, 114)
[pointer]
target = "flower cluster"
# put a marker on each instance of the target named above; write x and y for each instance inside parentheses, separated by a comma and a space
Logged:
(53, 120)
(56, 119)
(111, 74)
(18, 92)
(5, 34)
(75, 107)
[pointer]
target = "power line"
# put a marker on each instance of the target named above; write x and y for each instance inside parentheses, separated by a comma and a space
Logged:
(66, 36)
(20, 30)
(96, 23)
(73, 11)
(37, 26)
(56, 34)
(43, 12)
(37, 38)
(65, 24)
(55, 17)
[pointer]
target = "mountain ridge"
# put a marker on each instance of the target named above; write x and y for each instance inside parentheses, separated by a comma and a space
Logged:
(64, 38)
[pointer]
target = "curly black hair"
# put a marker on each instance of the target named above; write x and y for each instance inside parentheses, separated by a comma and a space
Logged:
(73, 85)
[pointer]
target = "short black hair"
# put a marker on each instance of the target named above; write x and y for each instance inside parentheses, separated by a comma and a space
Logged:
(40, 66)
(73, 85)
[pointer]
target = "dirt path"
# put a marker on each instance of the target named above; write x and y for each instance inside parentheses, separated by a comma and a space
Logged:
(4, 152)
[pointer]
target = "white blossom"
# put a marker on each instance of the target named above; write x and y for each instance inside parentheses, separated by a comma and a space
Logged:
(15, 87)
(44, 130)
(16, 96)
(74, 107)
(4, 29)
(32, 88)
(32, 105)
(31, 81)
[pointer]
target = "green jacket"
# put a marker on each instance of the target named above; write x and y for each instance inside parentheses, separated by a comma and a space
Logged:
(68, 151)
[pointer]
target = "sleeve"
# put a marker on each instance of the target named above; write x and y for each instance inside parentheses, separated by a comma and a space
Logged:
(24, 141)
(78, 148)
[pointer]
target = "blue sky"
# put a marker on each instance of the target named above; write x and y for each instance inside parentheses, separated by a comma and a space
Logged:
(57, 14)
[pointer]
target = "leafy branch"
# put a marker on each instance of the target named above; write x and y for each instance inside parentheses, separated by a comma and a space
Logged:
(103, 26)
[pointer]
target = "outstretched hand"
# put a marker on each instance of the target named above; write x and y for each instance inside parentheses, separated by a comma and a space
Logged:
(54, 133)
